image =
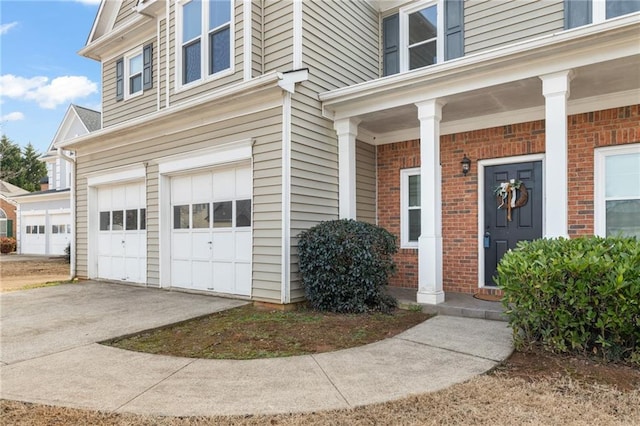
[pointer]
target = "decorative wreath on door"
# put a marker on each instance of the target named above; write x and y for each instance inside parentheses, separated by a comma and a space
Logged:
(507, 196)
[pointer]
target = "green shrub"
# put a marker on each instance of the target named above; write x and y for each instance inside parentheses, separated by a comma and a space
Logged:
(67, 253)
(578, 295)
(345, 265)
(7, 245)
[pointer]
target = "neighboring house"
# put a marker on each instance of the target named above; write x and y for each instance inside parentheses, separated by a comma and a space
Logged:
(8, 207)
(45, 216)
(231, 126)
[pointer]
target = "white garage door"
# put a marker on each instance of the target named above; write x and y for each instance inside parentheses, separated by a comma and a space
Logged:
(211, 231)
(34, 239)
(122, 236)
(59, 233)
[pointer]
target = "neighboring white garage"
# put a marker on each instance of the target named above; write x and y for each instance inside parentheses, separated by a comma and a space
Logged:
(44, 222)
(211, 230)
(121, 232)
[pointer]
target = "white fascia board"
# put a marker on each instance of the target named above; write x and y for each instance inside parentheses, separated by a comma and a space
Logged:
(594, 43)
(578, 106)
(117, 175)
(289, 79)
(234, 91)
(208, 157)
(98, 48)
(49, 196)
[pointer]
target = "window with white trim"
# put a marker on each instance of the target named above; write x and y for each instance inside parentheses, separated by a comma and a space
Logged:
(410, 207)
(421, 36)
(584, 12)
(133, 74)
(617, 188)
(204, 38)
(4, 224)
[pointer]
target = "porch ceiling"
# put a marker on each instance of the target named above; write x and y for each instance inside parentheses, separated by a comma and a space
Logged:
(591, 81)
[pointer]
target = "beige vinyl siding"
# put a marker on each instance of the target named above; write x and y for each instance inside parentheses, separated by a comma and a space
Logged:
(208, 83)
(314, 173)
(257, 39)
(161, 74)
(278, 35)
(264, 128)
(489, 24)
(365, 182)
(126, 12)
(114, 112)
(340, 42)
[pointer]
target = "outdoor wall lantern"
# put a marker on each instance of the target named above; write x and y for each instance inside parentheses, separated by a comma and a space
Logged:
(466, 165)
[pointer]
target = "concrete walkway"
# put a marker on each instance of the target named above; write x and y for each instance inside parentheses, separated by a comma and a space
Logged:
(79, 373)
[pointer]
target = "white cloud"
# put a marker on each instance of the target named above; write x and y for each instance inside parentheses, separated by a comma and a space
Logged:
(12, 116)
(90, 2)
(5, 28)
(61, 90)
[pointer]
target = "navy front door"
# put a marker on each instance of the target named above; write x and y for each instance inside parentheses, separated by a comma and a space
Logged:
(502, 234)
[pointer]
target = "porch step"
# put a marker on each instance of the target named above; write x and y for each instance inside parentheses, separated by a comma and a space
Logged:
(455, 304)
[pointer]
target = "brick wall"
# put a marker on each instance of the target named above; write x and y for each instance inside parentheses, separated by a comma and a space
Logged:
(10, 210)
(460, 193)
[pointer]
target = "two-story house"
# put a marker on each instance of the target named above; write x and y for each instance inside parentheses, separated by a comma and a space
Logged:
(228, 126)
(45, 216)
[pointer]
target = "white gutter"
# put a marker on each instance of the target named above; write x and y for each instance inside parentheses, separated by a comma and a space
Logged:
(72, 202)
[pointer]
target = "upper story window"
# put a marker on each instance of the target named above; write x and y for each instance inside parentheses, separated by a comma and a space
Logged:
(134, 73)
(204, 38)
(422, 34)
(583, 12)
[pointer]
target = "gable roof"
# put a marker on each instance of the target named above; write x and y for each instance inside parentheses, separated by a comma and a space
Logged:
(83, 120)
(9, 190)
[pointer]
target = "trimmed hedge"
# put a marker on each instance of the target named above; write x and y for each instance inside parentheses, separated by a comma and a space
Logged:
(575, 295)
(345, 265)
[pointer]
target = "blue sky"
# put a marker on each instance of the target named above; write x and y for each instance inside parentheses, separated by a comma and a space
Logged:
(40, 70)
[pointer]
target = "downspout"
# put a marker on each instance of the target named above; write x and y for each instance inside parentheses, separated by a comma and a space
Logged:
(72, 164)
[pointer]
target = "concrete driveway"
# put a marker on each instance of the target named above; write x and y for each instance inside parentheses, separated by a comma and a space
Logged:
(47, 320)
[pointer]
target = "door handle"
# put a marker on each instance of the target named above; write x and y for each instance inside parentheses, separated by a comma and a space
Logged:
(487, 240)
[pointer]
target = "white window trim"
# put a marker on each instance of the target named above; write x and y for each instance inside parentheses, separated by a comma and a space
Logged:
(404, 208)
(127, 76)
(204, 47)
(599, 184)
(404, 13)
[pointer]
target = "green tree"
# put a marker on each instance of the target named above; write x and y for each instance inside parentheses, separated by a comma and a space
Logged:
(21, 168)
(33, 170)
(10, 161)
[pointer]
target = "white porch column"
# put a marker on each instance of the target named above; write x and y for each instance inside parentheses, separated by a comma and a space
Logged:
(555, 88)
(347, 130)
(430, 240)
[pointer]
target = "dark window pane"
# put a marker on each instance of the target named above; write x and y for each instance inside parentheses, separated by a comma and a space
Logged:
(219, 57)
(191, 62)
(422, 55)
(414, 224)
(243, 213)
(143, 218)
(132, 220)
(104, 221)
(621, 7)
(41, 229)
(423, 25)
(181, 217)
(414, 191)
(135, 84)
(219, 13)
(222, 214)
(623, 218)
(200, 215)
(54, 229)
(117, 220)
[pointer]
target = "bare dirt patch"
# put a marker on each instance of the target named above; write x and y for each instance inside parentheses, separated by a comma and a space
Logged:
(18, 274)
(248, 332)
(509, 395)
